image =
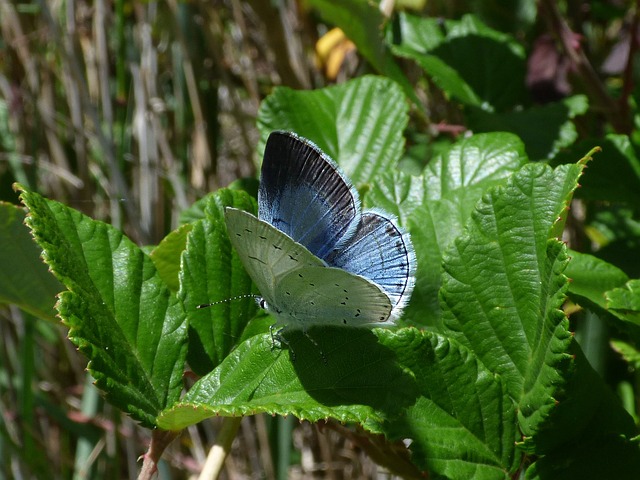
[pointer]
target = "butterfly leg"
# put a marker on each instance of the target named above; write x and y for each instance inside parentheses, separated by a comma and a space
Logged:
(278, 338)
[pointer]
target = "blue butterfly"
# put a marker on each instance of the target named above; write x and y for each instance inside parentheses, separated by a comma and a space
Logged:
(314, 256)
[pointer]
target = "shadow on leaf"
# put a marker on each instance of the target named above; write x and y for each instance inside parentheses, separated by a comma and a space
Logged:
(349, 366)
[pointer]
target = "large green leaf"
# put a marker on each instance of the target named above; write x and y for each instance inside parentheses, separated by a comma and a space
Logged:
(211, 272)
(503, 287)
(360, 381)
(407, 384)
(463, 410)
(502, 291)
(544, 129)
(436, 205)
(476, 162)
(120, 313)
(444, 50)
(615, 457)
(473, 163)
(588, 435)
(24, 280)
(359, 124)
(397, 193)
(614, 175)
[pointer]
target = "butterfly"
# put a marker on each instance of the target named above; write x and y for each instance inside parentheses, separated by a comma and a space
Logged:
(315, 257)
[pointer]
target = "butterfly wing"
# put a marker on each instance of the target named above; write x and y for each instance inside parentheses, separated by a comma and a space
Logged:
(303, 194)
(300, 290)
(266, 253)
(381, 252)
(329, 296)
(305, 201)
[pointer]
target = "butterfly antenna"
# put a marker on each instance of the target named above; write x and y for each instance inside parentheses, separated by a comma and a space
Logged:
(237, 297)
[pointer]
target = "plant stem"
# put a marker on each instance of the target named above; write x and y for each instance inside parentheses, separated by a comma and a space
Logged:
(160, 439)
(220, 451)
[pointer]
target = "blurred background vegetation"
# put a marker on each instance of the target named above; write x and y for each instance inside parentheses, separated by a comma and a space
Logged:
(130, 111)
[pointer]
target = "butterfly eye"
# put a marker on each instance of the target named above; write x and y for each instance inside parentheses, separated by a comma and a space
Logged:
(263, 304)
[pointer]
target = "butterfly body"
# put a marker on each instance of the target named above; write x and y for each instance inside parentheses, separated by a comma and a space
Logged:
(315, 257)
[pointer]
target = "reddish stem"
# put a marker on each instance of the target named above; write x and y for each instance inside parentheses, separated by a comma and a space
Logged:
(160, 439)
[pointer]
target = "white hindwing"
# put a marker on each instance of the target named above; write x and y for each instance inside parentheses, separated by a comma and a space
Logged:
(299, 289)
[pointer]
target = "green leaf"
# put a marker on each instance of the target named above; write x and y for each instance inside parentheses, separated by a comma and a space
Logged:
(363, 22)
(405, 383)
(443, 75)
(359, 124)
(464, 170)
(516, 17)
(625, 302)
(212, 272)
(120, 313)
(396, 193)
(194, 212)
(443, 50)
(614, 175)
(628, 352)
(588, 418)
(502, 292)
(25, 280)
(436, 205)
(477, 163)
(561, 220)
(463, 411)
(166, 256)
(609, 457)
(554, 128)
(592, 277)
(360, 382)
(615, 229)
(503, 287)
